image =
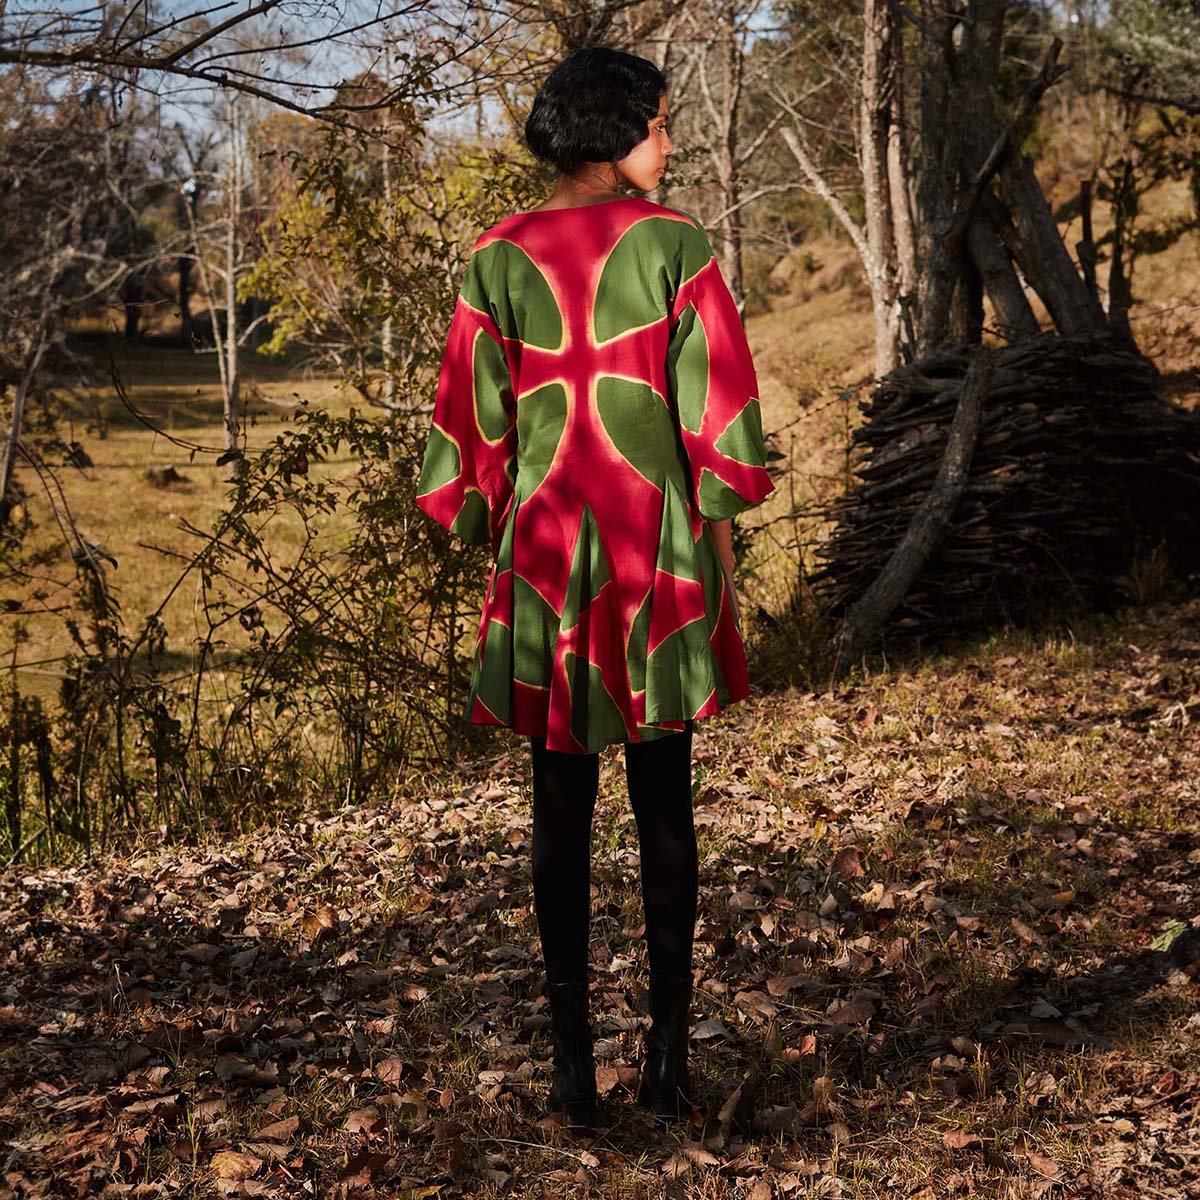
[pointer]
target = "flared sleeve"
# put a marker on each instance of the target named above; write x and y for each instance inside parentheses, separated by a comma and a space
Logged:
(469, 467)
(713, 387)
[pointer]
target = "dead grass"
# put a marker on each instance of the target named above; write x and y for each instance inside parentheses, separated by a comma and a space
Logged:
(115, 504)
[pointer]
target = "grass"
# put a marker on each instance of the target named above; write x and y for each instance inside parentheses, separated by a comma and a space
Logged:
(179, 392)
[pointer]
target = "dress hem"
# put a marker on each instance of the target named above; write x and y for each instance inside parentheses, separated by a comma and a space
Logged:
(483, 717)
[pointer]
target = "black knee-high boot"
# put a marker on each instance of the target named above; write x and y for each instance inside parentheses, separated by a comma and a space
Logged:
(666, 1085)
(574, 1090)
(660, 790)
(564, 797)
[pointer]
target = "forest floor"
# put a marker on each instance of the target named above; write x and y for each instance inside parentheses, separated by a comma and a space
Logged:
(949, 945)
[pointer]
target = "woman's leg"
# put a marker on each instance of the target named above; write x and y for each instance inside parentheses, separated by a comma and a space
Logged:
(564, 798)
(659, 776)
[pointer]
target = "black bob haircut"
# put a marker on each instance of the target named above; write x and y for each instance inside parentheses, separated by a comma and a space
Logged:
(594, 106)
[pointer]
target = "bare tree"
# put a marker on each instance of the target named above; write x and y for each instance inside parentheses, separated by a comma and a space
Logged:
(263, 50)
(195, 149)
(706, 62)
(62, 219)
(226, 241)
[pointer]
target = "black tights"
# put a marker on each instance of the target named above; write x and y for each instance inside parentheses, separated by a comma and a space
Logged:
(658, 774)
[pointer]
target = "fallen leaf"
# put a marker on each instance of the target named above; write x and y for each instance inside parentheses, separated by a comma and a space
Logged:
(688, 1155)
(859, 1009)
(607, 1078)
(367, 1120)
(848, 862)
(782, 984)
(877, 898)
(1047, 1168)
(1042, 1009)
(839, 1131)
(391, 1070)
(233, 1164)
(960, 1139)
(280, 1131)
(713, 1027)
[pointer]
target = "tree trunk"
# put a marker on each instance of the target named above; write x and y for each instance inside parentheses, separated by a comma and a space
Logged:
(900, 330)
(1120, 298)
(1014, 316)
(132, 293)
(185, 313)
(33, 361)
(875, 152)
(979, 217)
(232, 364)
(724, 108)
(938, 182)
(389, 366)
(1050, 269)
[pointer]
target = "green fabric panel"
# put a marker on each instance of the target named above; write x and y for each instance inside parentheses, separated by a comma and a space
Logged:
(687, 368)
(504, 552)
(627, 295)
(676, 550)
(714, 585)
(500, 271)
(743, 437)
(639, 637)
(493, 671)
(651, 733)
(441, 464)
(472, 520)
(595, 718)
(492, 681)
(589, 571)
(717, 499)
(637, 419)
(535, 632)
(695, 250)
(680, 673)
(541, 419)
(493, 387)
(713, 574)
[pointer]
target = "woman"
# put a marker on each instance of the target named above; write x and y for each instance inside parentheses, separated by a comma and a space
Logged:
(597, 424)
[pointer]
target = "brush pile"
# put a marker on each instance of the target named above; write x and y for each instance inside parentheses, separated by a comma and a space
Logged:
(1080, 469)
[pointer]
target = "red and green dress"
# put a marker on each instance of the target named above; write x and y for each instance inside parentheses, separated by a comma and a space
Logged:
(597, 400)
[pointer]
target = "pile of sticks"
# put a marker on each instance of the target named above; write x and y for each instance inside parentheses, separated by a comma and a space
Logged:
(1077, 467)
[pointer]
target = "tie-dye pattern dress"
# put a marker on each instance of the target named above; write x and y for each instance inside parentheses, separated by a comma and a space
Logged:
(597, 401)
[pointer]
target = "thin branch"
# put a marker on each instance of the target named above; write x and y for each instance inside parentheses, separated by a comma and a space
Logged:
(822, 188)
(1190, 106)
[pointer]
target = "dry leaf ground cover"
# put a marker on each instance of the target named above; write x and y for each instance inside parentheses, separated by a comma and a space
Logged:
(947, 948)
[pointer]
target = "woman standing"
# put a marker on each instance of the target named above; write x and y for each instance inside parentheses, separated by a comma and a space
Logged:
(597, 423)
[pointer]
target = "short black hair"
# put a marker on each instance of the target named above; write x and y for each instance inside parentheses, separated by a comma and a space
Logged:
(593, 107)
